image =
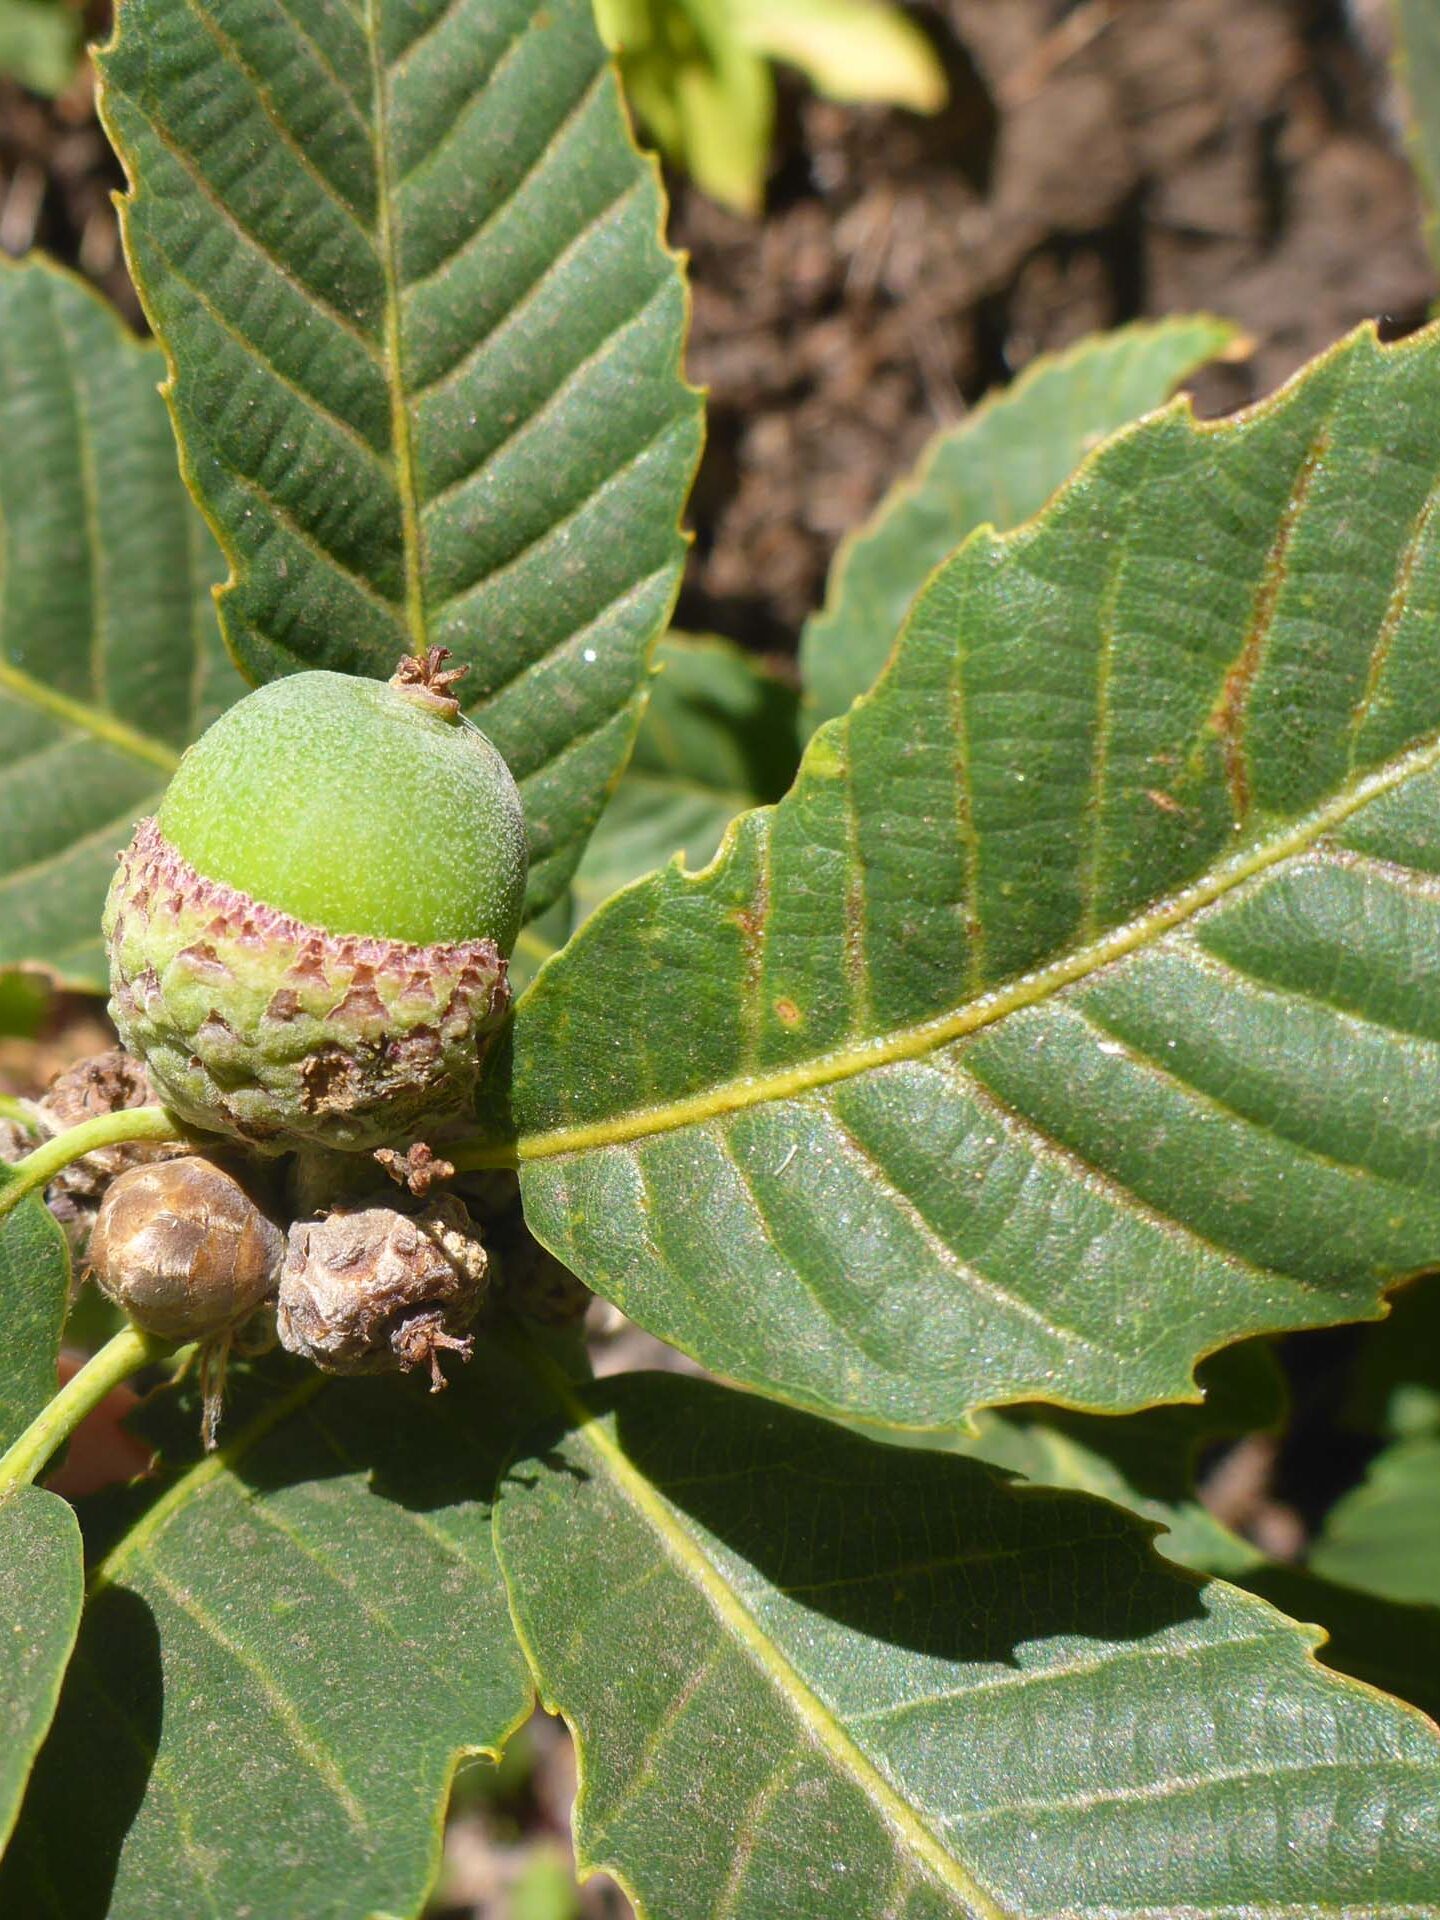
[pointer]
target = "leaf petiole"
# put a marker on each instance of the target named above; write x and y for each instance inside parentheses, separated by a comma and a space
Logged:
(39, 1168)
(125, 1354)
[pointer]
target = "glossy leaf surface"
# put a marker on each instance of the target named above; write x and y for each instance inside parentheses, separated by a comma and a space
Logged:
(41, 1582)
(999, 465)
(1074, 1014)
(110, 657)
(406, 263)
(284, 1652)
(811, 1675)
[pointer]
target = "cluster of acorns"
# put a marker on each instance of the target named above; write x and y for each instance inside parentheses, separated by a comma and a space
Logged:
(308, 953)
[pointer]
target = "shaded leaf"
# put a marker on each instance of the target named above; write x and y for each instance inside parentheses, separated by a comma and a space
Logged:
(1000, 465)
(1384, 1536)
(284, 1652)
(110, 658)
(1146, 1462)
(718, 736)
(810, 1674)
(39, 43)
(1076, 1013)
(1418, 69)
(1396, 1391)
(702, 94)
(425, 340)
(34, 1281)
(41, 1580)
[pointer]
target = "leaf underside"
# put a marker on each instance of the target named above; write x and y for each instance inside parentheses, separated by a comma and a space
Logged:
(917, 1692)
(110, 656)
(1000, 465)
(406, 264)
(282, 1656)
(1078, 1012)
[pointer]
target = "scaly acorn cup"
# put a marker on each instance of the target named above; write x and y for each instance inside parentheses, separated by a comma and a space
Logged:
(308, 943)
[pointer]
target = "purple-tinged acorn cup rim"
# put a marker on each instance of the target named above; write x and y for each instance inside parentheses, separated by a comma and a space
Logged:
(153, 868)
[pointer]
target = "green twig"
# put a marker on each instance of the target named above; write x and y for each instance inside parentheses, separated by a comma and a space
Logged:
(116, 1361)
(39, 1168)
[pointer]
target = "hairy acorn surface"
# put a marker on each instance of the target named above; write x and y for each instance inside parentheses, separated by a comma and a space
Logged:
(308, 942)
(184, 1249)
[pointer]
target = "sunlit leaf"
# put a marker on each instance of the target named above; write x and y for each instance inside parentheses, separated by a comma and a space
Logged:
(1076, 1012)
(1000, 465)
(425, 339)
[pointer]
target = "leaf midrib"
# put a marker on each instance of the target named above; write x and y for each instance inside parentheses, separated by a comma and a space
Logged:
(400, 431)
(685, 1553)
(1028, 990)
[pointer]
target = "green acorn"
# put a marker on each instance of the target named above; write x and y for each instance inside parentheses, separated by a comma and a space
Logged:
(308, 943)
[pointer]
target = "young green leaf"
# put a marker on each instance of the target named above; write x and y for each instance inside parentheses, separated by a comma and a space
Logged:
(284, 1653)
(41, 1578)
(110, 657)
(424, 336)
(700, 92)
(848, 49)
(811, 1674)
(1076, 1012)
(1383, 1537)
(1000, 465)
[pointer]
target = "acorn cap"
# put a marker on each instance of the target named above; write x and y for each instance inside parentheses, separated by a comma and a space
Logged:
(256, 1024)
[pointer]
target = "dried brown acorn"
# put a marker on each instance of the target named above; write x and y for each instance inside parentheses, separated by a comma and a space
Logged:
(382, 1285)
(185, 1249)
